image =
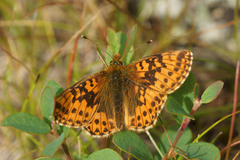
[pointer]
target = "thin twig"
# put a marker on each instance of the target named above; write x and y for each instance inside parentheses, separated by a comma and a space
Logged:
(17, 60)
(70, 67)
(154, 143)
(181, 129)
(234, 109)
(235, 99)
(64, 144)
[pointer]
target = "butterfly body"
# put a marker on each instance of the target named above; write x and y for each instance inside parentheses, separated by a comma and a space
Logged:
(130, 96)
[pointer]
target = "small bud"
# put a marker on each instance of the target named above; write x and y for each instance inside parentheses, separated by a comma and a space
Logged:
(150, 41)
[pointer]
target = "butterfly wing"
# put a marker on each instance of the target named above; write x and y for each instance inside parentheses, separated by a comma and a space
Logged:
(85, 104)
(106, 120)
(76, 106)
(102, 124)
(152, 79)
(142, 106)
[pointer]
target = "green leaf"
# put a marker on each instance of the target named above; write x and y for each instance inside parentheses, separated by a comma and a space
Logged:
(113, 45)
(130, 141)
(128, 46)
(122, 40)
(47, 104)
(51, 90)
(57, 89)
(196, 91)
(51, 148)
(47, 101)
(129, 57)
(27, 123)
(112, 40)
(174, 107)
(164, 144)
(49, 158)
(201, 151)
(212, 92)
(184, 96)
(104, 154)
(131, 37)
(120, 43)
(108, 56)
(61, 129)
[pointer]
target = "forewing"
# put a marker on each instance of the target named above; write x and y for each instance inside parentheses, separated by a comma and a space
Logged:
(164, 72)
(76, 106)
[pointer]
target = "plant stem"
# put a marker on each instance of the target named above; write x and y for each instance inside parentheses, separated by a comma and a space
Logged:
(64, 144)
(235, 97)
(181, 129)
(234, 110)
(154, 143)
(70, 67)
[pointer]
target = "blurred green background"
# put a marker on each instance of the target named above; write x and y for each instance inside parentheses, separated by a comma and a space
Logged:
(38, 37)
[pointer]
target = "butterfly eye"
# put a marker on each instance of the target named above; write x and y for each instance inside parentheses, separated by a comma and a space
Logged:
(114, 62)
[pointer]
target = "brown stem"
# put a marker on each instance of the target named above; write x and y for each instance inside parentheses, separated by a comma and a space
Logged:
(70, 67)
(181, 129)
(235, 99)
(64, 144)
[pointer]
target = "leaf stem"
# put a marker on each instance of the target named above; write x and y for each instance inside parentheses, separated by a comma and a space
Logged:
(154, 143)
(64, 144)
(181, 129)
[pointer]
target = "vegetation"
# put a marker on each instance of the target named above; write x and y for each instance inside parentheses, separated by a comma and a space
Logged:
(40, 45)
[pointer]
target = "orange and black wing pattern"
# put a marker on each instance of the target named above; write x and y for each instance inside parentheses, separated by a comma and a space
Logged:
(77, 105)
(84, 105)
(152, 79)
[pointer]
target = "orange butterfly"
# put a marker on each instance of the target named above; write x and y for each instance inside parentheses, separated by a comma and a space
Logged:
(130, 96)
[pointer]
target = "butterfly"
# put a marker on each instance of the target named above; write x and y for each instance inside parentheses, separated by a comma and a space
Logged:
(131, 96)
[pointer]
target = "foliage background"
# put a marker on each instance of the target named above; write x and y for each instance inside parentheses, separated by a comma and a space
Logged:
(30, 39)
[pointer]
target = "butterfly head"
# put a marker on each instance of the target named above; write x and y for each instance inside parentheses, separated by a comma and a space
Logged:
(116, 60)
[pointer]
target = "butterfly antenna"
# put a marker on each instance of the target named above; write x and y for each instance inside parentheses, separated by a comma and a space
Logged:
(99, 53)
(150, 41)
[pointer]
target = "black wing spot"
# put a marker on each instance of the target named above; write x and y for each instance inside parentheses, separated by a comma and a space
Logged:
(144, 113)
(150, 110)
(165, 80)
(152, 103)
(105, 130)
(176, 69)
(74, 110)
(138, 117)
(81, 113)
(96, 121)
(104, 123)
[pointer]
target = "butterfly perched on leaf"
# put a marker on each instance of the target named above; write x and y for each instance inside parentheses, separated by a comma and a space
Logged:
(130, 96)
